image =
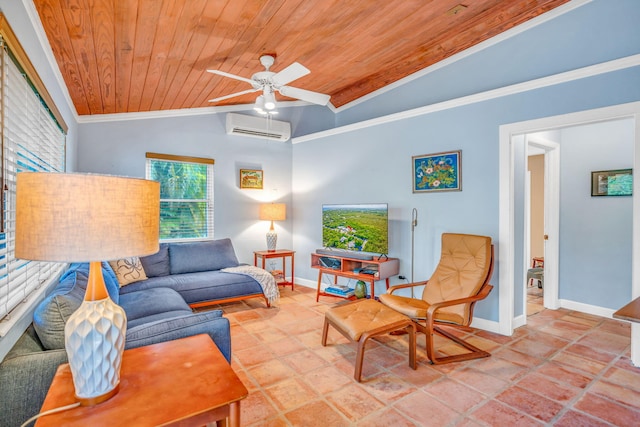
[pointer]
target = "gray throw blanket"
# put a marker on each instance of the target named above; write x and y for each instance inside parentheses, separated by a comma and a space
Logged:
(266, 280)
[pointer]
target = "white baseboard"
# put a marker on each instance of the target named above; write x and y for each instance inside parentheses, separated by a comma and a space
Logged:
(586, 308)
(306, 283)
(486, 325)
(519, 321)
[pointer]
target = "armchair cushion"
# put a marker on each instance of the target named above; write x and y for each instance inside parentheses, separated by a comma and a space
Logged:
(417, 309)
(464, 265)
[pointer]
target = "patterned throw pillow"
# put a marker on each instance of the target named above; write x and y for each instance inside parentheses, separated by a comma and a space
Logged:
(128, 270)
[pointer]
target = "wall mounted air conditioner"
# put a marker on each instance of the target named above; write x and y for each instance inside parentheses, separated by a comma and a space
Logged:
(258, 127)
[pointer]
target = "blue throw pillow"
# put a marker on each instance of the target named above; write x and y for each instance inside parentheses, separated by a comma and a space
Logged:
(157, 265)
(52, 313)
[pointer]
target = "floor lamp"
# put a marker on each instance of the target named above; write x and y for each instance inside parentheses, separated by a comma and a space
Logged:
(88, 218)
(414, 224)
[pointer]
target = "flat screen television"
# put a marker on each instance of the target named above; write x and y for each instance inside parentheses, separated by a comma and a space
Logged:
(360, 227)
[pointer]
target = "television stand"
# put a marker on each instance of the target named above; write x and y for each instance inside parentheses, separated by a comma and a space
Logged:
(341, 253)
(370, 270)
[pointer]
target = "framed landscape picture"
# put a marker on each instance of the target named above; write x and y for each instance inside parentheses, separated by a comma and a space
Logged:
(437, 172)
(251, 179)
(612, 183)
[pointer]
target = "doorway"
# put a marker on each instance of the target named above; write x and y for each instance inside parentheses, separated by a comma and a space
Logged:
(512, 262)
(534, 209)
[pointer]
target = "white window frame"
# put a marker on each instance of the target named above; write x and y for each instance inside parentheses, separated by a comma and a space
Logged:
(151, 157)
(33, 137)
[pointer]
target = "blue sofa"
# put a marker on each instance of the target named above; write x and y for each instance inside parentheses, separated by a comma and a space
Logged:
(158, 309)
(195, 271)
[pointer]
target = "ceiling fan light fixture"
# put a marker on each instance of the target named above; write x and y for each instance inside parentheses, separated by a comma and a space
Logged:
(259, 105)
(269, 100)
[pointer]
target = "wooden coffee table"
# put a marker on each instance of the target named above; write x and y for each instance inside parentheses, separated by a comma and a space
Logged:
(185, 382)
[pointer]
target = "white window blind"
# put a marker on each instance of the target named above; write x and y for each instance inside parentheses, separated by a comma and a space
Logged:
(31, 141)
(186, 195)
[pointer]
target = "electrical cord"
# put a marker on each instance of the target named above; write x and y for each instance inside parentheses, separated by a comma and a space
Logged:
(49, 412)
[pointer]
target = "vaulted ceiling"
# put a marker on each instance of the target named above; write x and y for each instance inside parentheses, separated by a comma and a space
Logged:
(121, 56)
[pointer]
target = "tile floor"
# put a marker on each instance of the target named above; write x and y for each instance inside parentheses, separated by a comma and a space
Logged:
(564, 369)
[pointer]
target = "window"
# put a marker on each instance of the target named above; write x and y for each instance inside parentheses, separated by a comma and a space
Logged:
(186, 195)
(33, 139)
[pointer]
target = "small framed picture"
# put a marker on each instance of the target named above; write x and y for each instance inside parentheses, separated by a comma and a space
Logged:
(251, 179)
(612, 183)
(437, 172)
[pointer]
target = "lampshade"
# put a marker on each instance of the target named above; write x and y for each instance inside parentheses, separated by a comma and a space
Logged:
(273, 212)
(85, 217)
(80, 218)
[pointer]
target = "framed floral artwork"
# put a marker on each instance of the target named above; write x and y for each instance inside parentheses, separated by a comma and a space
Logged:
(437, 172)
(251, 179)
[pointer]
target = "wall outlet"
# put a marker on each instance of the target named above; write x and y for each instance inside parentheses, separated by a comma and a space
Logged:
(401, 277)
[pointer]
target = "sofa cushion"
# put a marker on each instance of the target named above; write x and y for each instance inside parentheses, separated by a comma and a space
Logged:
(52, 313)
(202, 256)
(208, 322)
(128, 270)
(200, 287)
(152, 304)
(157, 265)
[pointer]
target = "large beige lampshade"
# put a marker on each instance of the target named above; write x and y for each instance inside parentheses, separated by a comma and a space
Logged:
(84, 217)
(88, 218)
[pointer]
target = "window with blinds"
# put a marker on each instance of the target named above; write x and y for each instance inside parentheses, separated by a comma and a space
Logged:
(32, 140)
(186, 195)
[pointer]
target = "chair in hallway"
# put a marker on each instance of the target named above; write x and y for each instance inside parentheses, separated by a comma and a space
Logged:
(460, 279)
(536, 273)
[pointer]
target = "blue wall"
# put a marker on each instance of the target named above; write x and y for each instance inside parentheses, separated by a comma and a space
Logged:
(119, 148)
(595, 232)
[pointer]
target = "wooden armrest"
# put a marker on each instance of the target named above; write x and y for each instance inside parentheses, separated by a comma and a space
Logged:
(484, 292)
(394, 288)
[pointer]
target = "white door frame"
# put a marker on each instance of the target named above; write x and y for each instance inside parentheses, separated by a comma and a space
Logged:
(506, 261)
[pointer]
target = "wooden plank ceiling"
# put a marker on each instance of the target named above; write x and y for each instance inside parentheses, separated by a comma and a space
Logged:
(146, 55)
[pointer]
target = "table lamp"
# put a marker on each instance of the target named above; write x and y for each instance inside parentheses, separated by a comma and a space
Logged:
(88, 218)
(273, 212)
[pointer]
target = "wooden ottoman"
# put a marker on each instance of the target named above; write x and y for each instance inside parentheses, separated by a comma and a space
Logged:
(362, 319)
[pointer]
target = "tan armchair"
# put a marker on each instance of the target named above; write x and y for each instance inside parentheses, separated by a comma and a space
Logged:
(460, 280)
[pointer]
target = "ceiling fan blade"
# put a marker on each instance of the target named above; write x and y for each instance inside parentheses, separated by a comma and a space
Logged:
(291, 73)
(305, 95)
(233, 76)
(233, 95)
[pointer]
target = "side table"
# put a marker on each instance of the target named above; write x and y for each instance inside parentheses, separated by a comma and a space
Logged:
(278, 253)
(185, 382)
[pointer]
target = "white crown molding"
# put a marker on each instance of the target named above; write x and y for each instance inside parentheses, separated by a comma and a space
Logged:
(580, 73)
(541, 19)
(184, 112)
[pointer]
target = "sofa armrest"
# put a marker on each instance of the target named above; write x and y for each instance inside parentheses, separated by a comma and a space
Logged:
(25, 381)
(210, 322)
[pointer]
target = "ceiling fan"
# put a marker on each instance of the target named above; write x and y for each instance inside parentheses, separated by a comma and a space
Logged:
(269, 82)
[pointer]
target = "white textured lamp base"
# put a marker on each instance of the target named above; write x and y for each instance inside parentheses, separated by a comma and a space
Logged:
(94, 339)
(272, 239)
